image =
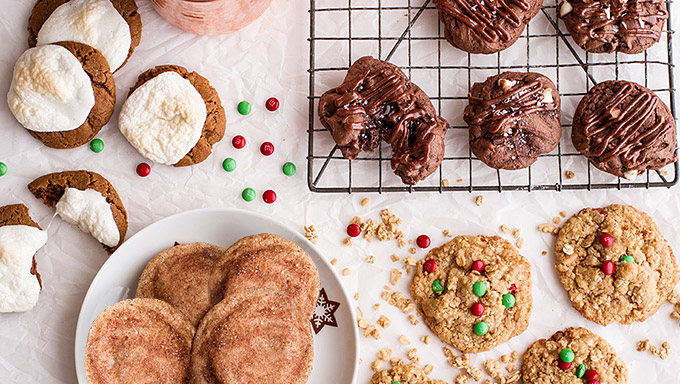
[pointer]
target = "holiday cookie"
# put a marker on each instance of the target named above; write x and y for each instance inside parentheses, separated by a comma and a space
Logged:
(474, 291)
(377, 102)
(485, 27)
(173, 116)
(267, 261)
(62, 93)
(624, 129)
(573, 356)
(113, 27)
(615, 264)
(179, 276)
(404, 374)
(87, 201)
(139, 341)
(603, 26)
(253, 337)
(513, 118)
(20, 239)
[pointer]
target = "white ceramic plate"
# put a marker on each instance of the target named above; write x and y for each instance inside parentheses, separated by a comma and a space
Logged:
(336, 348)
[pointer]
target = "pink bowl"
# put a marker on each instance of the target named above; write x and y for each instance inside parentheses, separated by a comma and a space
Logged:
(211, 17)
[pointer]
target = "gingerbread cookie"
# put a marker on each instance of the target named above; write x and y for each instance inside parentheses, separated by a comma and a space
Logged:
(377, 102)
(573, 356)
(20, 239)
(615, 264)
(486, 26)
(87, 201)
(404, 374)
(62, 93)
(603, 26)
(624, 129)
(139, 341)
(474, 291)
(173, 116)
(113, 27)
(513, 118)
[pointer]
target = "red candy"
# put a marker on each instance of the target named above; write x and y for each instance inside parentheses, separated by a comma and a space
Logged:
(143, 169)
(423, 241)
(238, 142)
(272, 104)
(477, 309)
(267, 148)
(606, 240)
(513, 288)
(563, 366)
(593, 382)
(478, 265)
(591, 374)
(269, 196)
(353, 230)
(608, 268)
(429, 266)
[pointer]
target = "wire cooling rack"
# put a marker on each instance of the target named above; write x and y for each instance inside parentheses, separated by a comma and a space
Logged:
(408, 34)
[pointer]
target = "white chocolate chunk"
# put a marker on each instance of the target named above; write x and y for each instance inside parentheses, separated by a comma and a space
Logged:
(630, 175)
(506, 84)
(547, 96)
(565, 8)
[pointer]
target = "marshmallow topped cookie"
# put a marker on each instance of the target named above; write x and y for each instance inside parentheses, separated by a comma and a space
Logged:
(113, 27)
(20, 239)
(87, 201)
(62, 93)
(173, 116)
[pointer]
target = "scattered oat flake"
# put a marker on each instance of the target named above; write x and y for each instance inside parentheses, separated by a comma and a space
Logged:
(375, 366)
(395, 275)
(413, 251)
(428, 368)
(520, 242)
(505, 229)
(347, 241)
(404, 340)
(515, 233)
(569, 174)
(394, 257)
(311, 234)
(384, 321)
(370, 259)
(447, 233)
(462, 379)
(445, 183)
(413, 320)
(563, 213)
(376, 306)
(664, 172)
(557, 219)
(511, 368)
(334, 261)
(460, 180)
(385, 353)
(356, 296)
(346, 272)
(365, 202)
(505, 359)
(479, 200)
(514, 355)
(547, 228)
(475, 373)
(426, 339)
(412, 354)
(410, 261)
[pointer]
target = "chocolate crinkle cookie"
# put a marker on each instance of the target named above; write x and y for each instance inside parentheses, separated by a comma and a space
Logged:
(603, 26)
(513, 118)
(378, 102)
(624, 129)
(485, 26)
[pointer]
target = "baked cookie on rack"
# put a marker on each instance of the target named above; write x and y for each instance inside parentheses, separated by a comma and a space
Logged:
(113, 27)
(377, 102)
(62, 93)
(604, 26)
(573, 356)
(404, 374)
(474, 291)
(173, 116)
(485, 26)
(87, 201)
(513, 118)
(615, 264)
(624, 129)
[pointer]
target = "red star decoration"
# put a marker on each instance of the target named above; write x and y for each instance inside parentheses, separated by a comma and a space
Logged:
(324, 314)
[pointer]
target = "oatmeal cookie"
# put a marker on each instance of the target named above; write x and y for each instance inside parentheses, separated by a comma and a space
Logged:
(404, 374)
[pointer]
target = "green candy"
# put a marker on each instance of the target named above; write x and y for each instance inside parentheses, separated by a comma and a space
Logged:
(289, 169)
(581, 370)
(627, 259)
(244, 108)
(3, 169)
(248, 194)
(481, 328)
(567, 355)
(396, 382)
(97, 145)
(437, 287)
(479, 288)
(229, 164)
(508, 300)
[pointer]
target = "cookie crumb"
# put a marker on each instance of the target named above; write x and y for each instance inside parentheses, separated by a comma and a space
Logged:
(385, 353)
(346, 272)
(311, 234)
(370, 259)
(459, 180)
(347, 241)
(375, 366)
(479, 200)
(547, 228)
(569, 175)
(557, 219)
(544, 253)
(365, 202)
(384, 321)
(376, 306)
(426, 339)
(372, 331)
(413, 251)
(475, 373)
(505, 229)
(410, 261)
(404, 340)
(356, 296)
(445, 183)
(520, 242)
(663, 352)
(334, 261)
(412, 355)
(395, 275)
(447, 233)
(394, 257)
(664, 172)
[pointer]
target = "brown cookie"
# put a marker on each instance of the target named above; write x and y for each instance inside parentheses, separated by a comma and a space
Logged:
(44, 8)
(376, 102)
(615, 264)
(215, 121)
(624, 129)
(253, 337)
(139, 341)
(104, 88)
(513, 118)
(486, 26)
(50, 188)
(591, 357)
(603, 26)
(179, 276)
(474, 291)
(17, 214)
(404, 374)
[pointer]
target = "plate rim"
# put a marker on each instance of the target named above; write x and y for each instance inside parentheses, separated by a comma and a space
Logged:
(219, 210)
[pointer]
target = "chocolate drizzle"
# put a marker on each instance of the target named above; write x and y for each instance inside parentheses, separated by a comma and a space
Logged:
(614, 127)
(634, 18)
(483, 16)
